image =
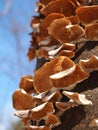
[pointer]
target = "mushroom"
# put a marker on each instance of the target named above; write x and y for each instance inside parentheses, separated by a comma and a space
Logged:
(47, 21)
(78, 98)
(66, 7)
(89, 64)
(37, 113)
(26, 83)
(52, 120)
(87, 14)
(55, 96)
(31, 53)
(63, 106)
(22, 100)
(91, 32)
(68, 78)
(94, 123)
(56, 65)
(37, 128)
(65, 49)
(64, 32)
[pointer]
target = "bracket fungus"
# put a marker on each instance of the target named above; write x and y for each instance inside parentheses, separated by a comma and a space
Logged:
(56, 34)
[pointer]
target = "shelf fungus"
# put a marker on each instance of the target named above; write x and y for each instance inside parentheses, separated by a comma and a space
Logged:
(57, 34)
(94, 123)
(66, 7)
(64, 31)
(90, 64)
(22, 100)
(78, 98)
(56, 65)
(87, 14)
(68, 78)
(91, 32)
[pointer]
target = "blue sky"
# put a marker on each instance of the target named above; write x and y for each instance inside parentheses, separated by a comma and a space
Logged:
(14, 43)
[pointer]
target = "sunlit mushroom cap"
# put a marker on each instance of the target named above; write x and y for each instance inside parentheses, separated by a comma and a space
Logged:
(91, 32)
(38, 128)
(63, 106)
(47, 21)
(41, 76)
(87, 14)
(66, 7)
(52, 120)
(67, 79)
(74, 19)
(22, 100)
(26, 83)
(78, 98)
(64, 32)
(89, 64)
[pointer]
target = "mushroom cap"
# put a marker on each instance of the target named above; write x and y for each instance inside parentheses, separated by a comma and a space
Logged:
(68, 78)
(78, 98)
(66, 7)
(22, 100)
(52, 120)
(64, 32)
(41, 76)
(63, 106)
(38, 128)
(41, 111)
(90, 64)
(91, 32)
(87, 14)
(47, 21)
(26, 83)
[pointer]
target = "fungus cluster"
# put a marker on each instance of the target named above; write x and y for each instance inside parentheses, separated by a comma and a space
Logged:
(60, 26)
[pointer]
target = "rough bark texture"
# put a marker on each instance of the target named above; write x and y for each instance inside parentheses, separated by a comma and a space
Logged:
(79, 118)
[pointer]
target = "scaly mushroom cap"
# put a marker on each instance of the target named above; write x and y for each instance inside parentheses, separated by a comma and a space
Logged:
(38, 128)
(41, 76)
(87, 14)
(91, 32)
(78, 98)
(52, 120)
(22, 100)
(67, 79)
(66, 7)
(26, 84)
(47, 21)
(63, 106)
(90, 64)
(64, 32)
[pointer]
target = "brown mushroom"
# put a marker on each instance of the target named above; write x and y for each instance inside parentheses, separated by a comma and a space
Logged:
(31, 53)
(63, 106)
(89, 64)
(64, 32)
(87, 14)
(66, 7)
(47, 21)
(56, 65)
(52, 120)
(37, 128)
(22, 100)
(26, 83)
(37, 113)
(94, 123)
(78, 98)
(91, 32)
(67, 79)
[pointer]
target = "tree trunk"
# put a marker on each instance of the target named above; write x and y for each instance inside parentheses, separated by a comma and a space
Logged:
(79, 118)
